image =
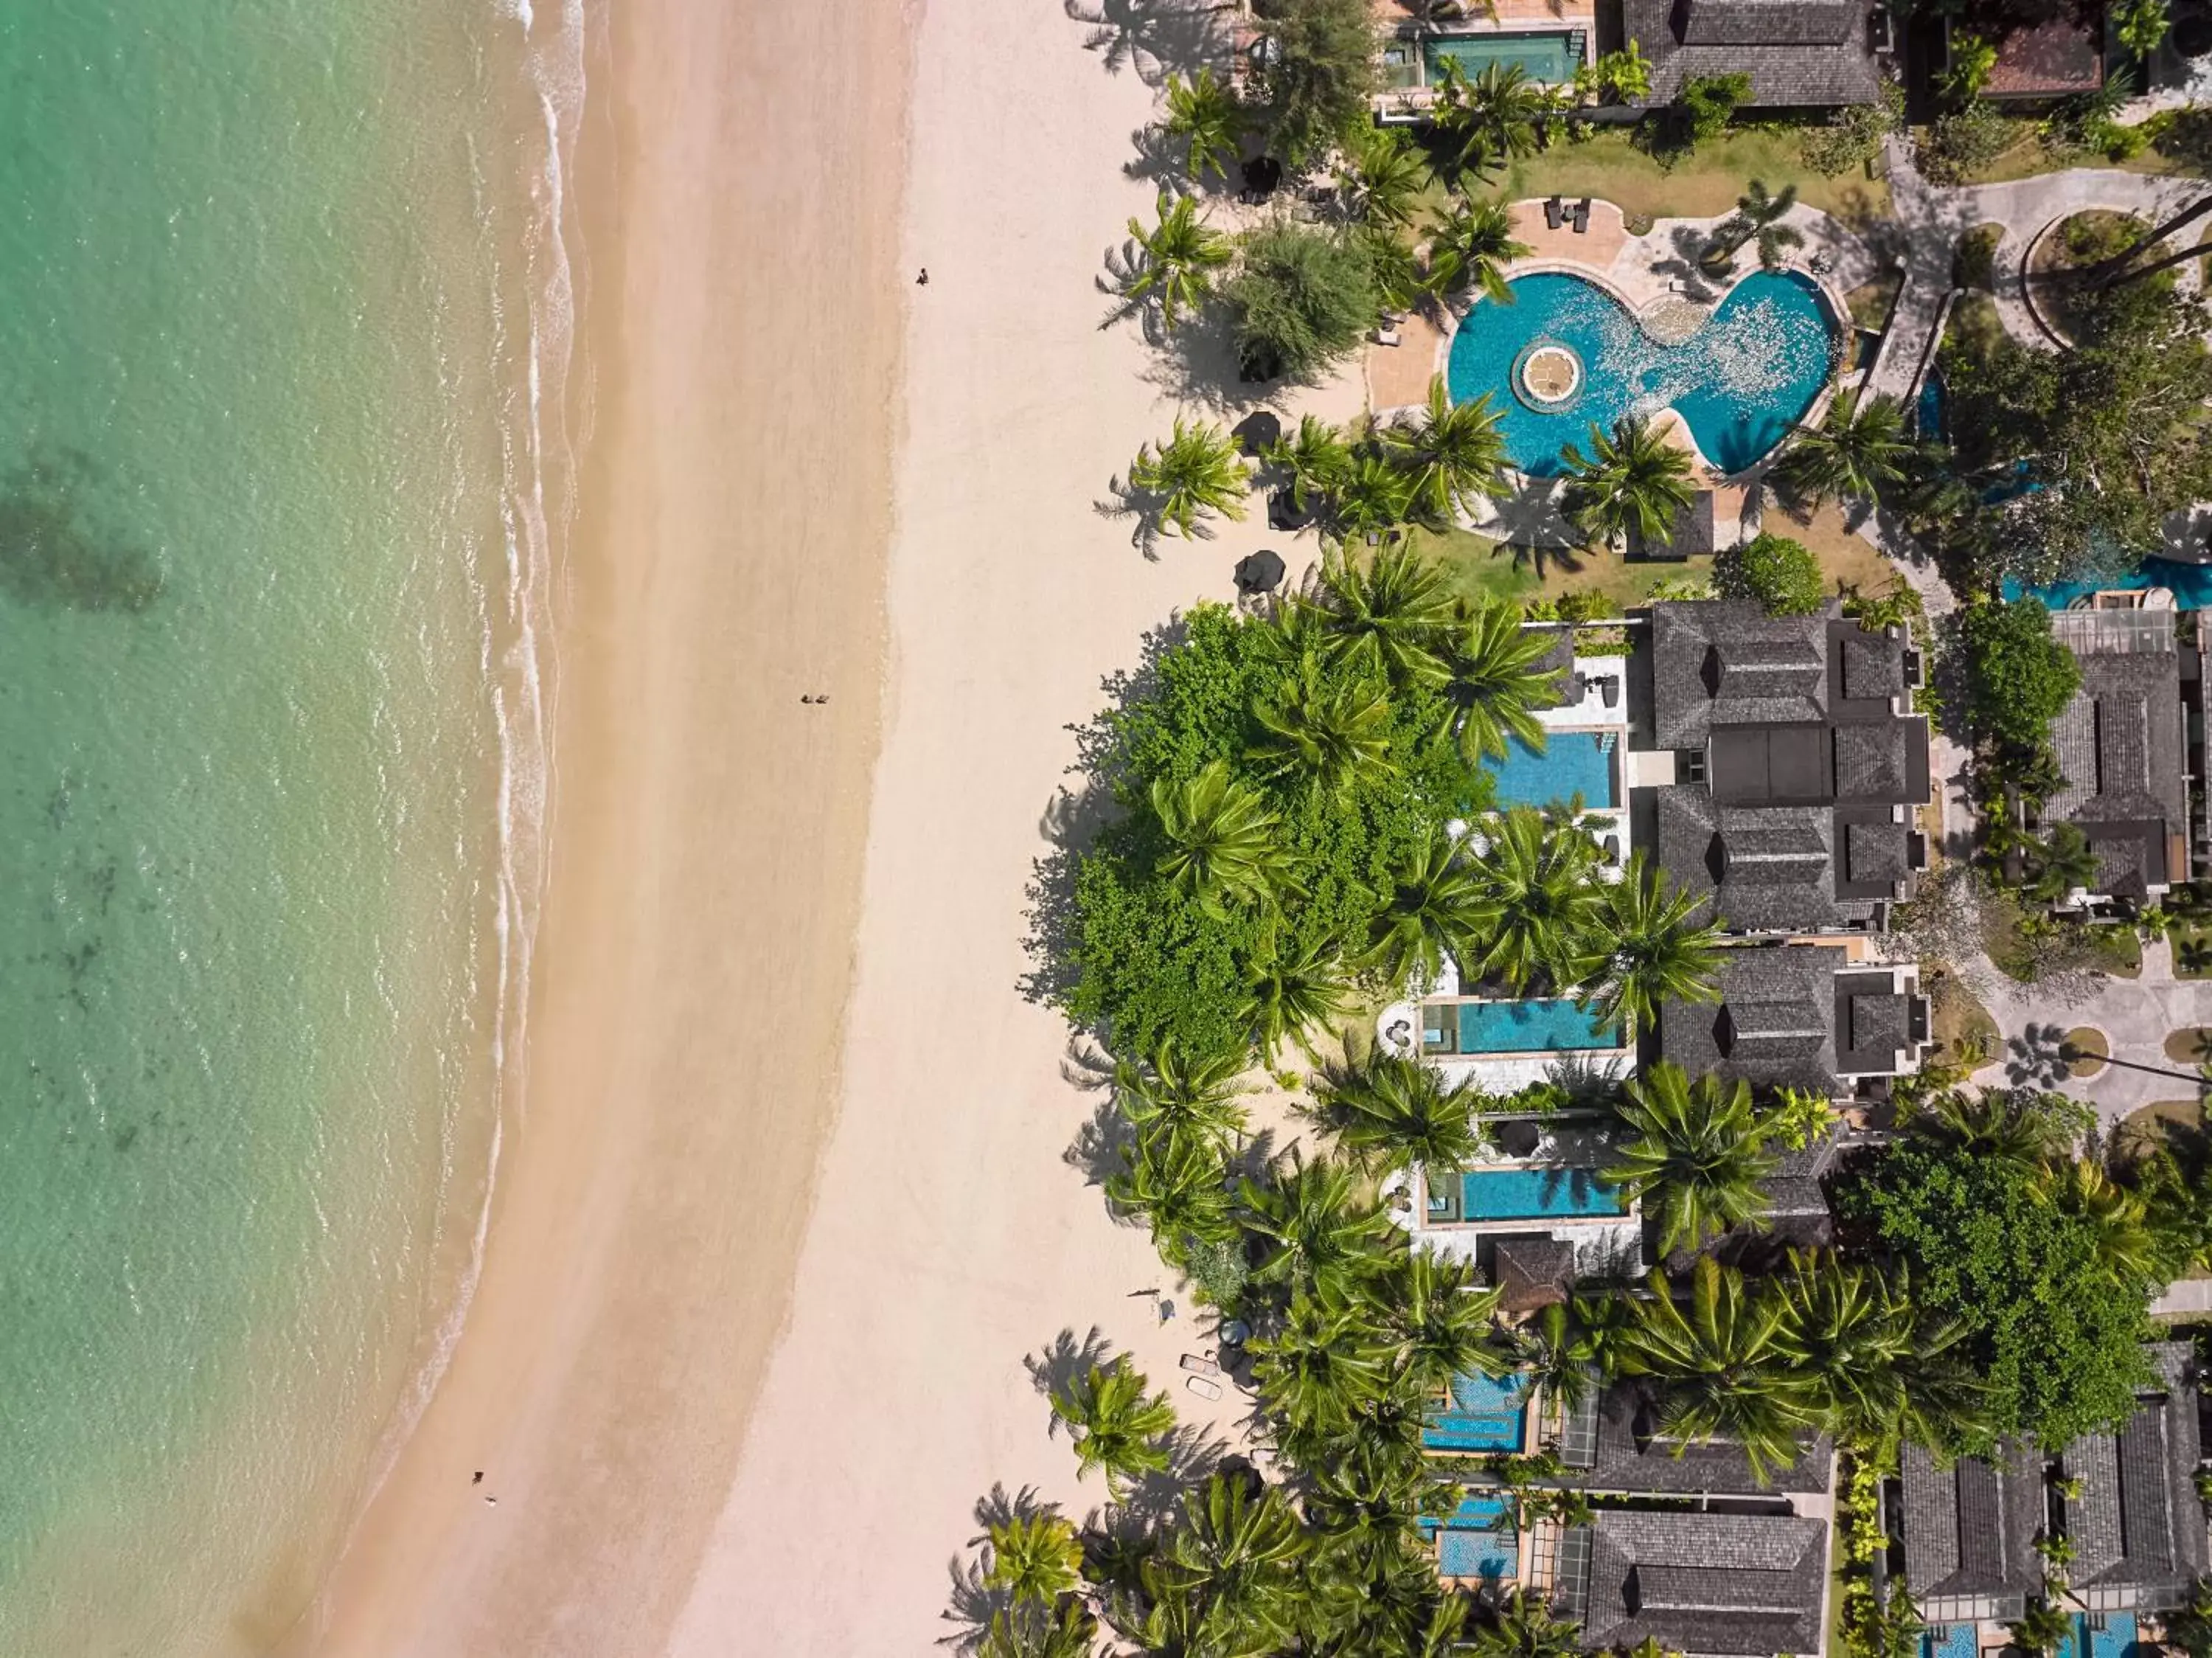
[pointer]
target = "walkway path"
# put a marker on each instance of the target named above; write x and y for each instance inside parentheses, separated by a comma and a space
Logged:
(1930, 219)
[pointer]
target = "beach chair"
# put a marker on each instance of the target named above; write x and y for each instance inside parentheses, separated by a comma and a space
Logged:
(1386, 334)
(1555, 209)
(1582, 216)
(1204, 1388)
(1200, 1365)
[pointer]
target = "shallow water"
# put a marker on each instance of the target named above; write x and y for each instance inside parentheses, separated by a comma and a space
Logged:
(278, 297)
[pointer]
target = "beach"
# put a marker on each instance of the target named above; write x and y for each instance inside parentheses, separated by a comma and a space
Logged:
(738, 177)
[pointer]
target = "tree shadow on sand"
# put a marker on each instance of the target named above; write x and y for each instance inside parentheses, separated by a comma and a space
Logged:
(1154, 38)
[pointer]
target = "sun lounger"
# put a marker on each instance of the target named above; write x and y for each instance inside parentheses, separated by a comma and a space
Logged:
(1199, 1364)
(1582, 216)
(1609, 688)
(1554, 211)
(1386, 334)
(1202, 1387)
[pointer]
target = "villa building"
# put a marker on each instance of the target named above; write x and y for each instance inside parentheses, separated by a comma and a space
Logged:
(2121, 746)
(1781, 768)
(1706, 1585)
(1800, 1016)
(2126, 1502)
(1800, 54)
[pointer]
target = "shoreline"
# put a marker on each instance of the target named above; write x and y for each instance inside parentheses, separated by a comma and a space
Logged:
(693, 958)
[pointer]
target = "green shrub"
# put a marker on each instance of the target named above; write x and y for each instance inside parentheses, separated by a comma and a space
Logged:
(1852, 136)
(2018, 677)
(1709, 103)
(1780, 573)
(1303, 299)
(1321, 72)
(1965, 140)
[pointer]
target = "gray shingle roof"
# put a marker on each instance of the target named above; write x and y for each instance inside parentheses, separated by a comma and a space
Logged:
(1873, 667)
(1532, 1271)
(2139, 1521)
(1726, 662)
(1705, 1583)
(1870, 761)
(1798, 52)
(2119, 741)
(1875, 852)
(1970, 1529)
(1631, 1457)
(1774, 1026)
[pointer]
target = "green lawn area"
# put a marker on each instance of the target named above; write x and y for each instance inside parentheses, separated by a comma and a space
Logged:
(1605, 165)
(2181, 146)
(2192, 950)
(1959, 1021)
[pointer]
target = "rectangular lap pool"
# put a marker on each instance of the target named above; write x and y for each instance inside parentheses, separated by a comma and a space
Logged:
(1551, 58)
(1948, 1641)
(1572, 763)
(2100, 1634)
(1548, 1025)
(1536, 1194)
(1483, 1414)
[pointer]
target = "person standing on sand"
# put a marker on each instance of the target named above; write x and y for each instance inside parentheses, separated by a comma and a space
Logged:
(922, 281)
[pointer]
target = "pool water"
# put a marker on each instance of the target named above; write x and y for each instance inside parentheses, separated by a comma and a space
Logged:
(1477, 1540)
(1571, 764)
(1536, 1194)
(2192, 585)
(1548, 58)
(1484, 1414)
(1740, 381)
(2110, 1634)
(1949, 1641)
(1547, 1025)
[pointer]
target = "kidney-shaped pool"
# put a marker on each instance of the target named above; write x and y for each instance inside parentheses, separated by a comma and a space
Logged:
(1566, 356)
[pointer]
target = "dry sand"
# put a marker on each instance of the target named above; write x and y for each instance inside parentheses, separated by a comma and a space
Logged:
(742, 171)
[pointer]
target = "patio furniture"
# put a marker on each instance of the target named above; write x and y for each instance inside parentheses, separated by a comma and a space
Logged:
(1202, 1387)
(1555, 209)
(1386, 334)
(1612, 849)
(1200, 1365)
(1582, 216)
(1609, 691)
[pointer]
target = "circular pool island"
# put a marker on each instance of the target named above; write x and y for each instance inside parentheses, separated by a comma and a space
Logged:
(1566, 354)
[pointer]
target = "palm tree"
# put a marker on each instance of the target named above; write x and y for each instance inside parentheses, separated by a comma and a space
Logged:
(1334, 732)
(1698, 1157)
(1035, 1557)
(1757, 218)
(1228, 1580)
(1121, 1426)
(1320, 1367)
(1401, 284)
(1439, 1317)
(1488, 121)
(1292, 993)
(1392, 1113)
(1203, 112)
(2042, 1627)
(1523, 1627)
(1439, 905)
(1179, 1183)
(1470, 247)
(1541, 882)
(1492, 685)
(1194, 472)
(1718, 1366)
(1846, 1330)
(1222, 844)
(1201, 1098)
(1555, 1349)
(2125, 1243)
(2064, 862)
(1379, 179)
(1319, 1235)
(2009, 1126)
(1660, 952)
(1374, 499)
(1860, 451)
(1031, 1631)
(1316, 457)
(1451, 452)
(1179, 257)
(1634, 482)
(1385, 614)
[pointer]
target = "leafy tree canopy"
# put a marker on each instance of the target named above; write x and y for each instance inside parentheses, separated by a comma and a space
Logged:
(1314, 81)
(2052, 1312)
(1780, 573)
(2018, 677)
(1303, 298)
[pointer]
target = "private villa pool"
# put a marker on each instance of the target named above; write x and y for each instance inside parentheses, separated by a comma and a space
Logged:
(1547, 1025)
(1566, 354)
(1484, 1413)
(1546, 1193)
(2101, 1635)
(1572, 764)
(1478, 1539)
(1551, 56)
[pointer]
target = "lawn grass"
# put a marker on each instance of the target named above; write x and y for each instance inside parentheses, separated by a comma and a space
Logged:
(2118, 951)
(2190, 1045)
(2192, 950)
(1961, 1026)
(2092, 1045)
(1603, 163)
(1846, 559)
(1478, 568)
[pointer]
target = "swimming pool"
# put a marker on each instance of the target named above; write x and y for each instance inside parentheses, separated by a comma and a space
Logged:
(1949, 1641)
(1484, 1414)
(1536, 1194)
(1740, 381)
(1549, 58)
(1477, 1540)
(2108, 1635)
(1571, 763)
(1547, 1025)
(2192, 585)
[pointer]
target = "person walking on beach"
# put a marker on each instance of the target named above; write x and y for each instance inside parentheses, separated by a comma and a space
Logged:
(922, 281)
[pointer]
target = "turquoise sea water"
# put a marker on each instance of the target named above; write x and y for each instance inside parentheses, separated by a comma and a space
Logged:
(1739, 382)
(281, 299)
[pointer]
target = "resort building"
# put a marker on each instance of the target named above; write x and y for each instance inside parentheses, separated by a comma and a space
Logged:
(1781, 769)
(2126, 1502)
(2120, 744)
(1546, 39)
(1800, 1016)
(1799, 54)
(1706, 1585)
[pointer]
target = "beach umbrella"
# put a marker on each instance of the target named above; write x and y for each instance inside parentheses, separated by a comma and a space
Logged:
(1259, 572)
(1256, 432)
(1261, 175)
